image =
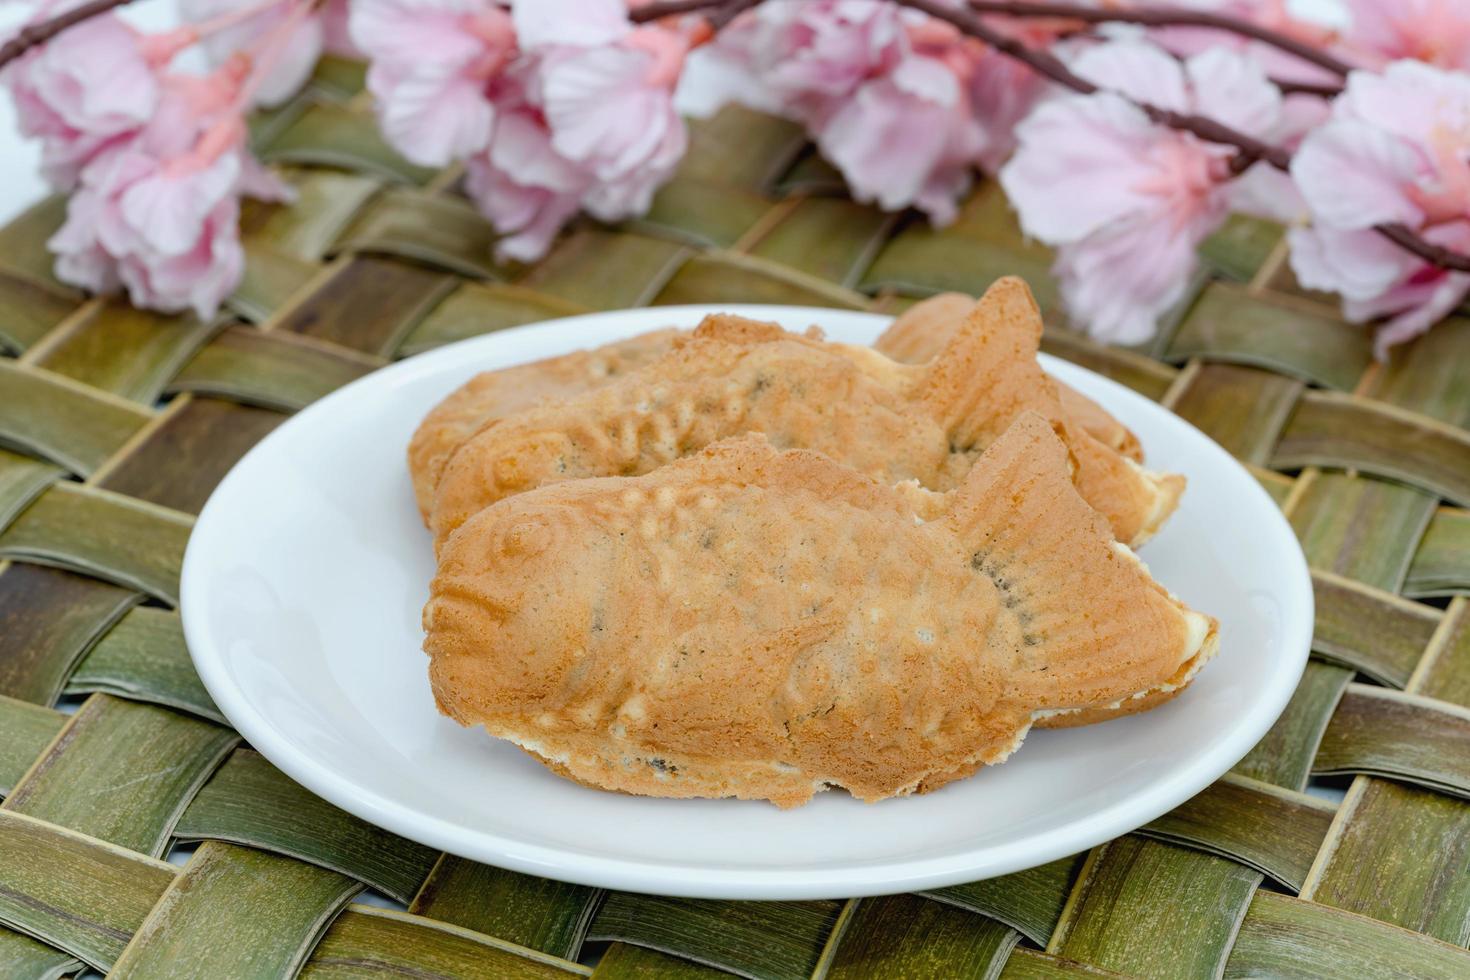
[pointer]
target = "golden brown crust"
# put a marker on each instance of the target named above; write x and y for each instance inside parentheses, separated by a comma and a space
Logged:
(761, 624)
(888, 420)
(922, 331)
(492, 395)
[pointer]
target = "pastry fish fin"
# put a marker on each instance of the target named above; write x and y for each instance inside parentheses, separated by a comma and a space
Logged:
(987, 373)
(1089, 626)
(921, 331)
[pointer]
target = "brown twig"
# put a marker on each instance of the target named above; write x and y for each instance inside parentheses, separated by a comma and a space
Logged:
(1165, 17)
(30, 36)
(1307, 88)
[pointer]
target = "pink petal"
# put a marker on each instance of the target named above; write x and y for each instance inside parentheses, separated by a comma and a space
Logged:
(429, 33)
(1138, 69)
(169, 212)
(860, 140)
(584, 23)
(429, 114)
(1233, 89)
(1078, 165)
(1359, 264)
(1355, 176)
(600, 110)
(1409, 99)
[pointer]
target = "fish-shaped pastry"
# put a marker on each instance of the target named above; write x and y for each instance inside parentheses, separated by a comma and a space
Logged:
(492, 395)
(761, 624)
(889, 420)
(922, 331)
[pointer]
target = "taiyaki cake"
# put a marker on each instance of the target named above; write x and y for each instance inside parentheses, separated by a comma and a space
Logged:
(762, 624)
(492, 395)
(888, 420)
(923, 330)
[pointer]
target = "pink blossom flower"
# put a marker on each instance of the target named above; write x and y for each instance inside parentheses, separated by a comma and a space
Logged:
(526, 189)
(82, 92)
(606, 91)
(432, 62)
(1432, 31)
(158, 213)
(1395, 151)
(292, 64)
(1126, 200)
(886, 93)
(1274, 15)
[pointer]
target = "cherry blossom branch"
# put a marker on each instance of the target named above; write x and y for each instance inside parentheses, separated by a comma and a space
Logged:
(30, 36)
(1165, 17)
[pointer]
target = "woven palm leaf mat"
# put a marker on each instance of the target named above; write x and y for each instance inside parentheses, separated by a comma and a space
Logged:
(117, 424)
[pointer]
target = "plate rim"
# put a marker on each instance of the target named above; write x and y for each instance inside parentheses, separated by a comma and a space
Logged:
(682, 879)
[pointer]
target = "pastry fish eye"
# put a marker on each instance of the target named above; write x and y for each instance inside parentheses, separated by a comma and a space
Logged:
(526, 539)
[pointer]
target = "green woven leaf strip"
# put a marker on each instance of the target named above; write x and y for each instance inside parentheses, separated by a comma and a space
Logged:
(1445, 671)
(338, 77)
(25, 731)
(480, 308)
(627, 962)
(701, 213)
(30, 959)
(104, 534)
(249, 801)
(538, 913)
(811, 174)
(1286, 938)
(23, 242)
(236, 912)
(122, 772)
(762, 940)
(306, 228)
(1284, 756)
(829, 238)
(1028, 964)
(727, 277)
(1228, 324)
(74, 892)
(1241, 246)
(922, 261)
(1441, 566)
(604, 270)
(1029, 901)
(21, 481)
(442, 231)
(368, 942)
(48, 415)
(1241, 408)
(1149, 909)
(1397, 853)
(144, 658)
(337, 136)
(1374, 632)
(1428, 376)
(123, 350)
(1329, 429)
(50, 618)
(271, 280)
(368, 304)
(273, 370)
(1143, 374)
(1381, 732)
(1361, 528)
(740, 147)
(180, 461)
(1274, 830)
(29, 310)
(908, 937)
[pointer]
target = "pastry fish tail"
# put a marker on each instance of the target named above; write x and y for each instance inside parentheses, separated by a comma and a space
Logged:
(1085, 626)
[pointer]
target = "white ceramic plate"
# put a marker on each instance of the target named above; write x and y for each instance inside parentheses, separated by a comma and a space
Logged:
(307, 571)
